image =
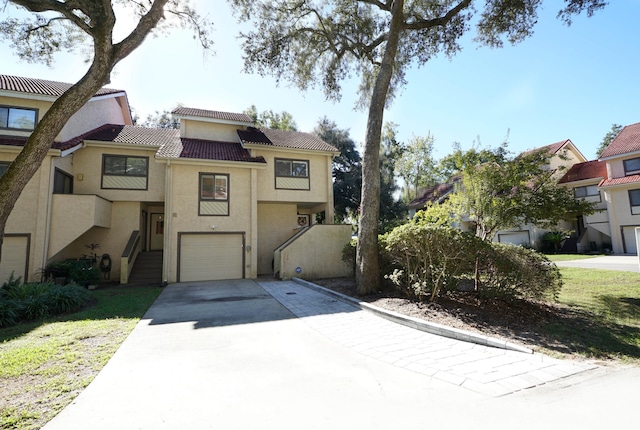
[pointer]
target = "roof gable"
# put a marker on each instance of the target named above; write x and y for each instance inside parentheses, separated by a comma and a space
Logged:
(626, 142)
(284, 139)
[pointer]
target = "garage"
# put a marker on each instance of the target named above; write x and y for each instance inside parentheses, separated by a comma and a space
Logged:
(515, 238)
(15, 257)
(629, 237)
(210, 256)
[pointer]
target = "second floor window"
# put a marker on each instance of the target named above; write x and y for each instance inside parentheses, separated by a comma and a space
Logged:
(634, 201)
(587, 191)
(3, 167)
(125, 172)
(292, 174)
(632, 166)
(18, 118)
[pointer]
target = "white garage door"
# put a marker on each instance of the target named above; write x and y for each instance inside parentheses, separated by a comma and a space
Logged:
(515, 238)
(14, 257)
(630, 246)
(209, 257)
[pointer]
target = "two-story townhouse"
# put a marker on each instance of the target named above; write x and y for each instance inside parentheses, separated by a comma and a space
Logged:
(621, 188)
(217, 199)
(562, 156)
(23, 101)
(591, 233)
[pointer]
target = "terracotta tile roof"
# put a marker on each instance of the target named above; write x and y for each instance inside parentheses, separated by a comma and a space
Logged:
(208, 150)
(129, 134)
(632, 179)
(432, 194)
(627, 141)
(42, 86)
(582, 171)
(225, 116)
(284, 139)
(12, 141)
(551, 149)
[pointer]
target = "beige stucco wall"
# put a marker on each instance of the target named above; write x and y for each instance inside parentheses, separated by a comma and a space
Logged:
(92, 115)
(319, 174)
(318, 253)
(182, 210)
(619, 209)
(209, 131)
(277, 222)
(570, 156)
(29, 215)
(95, 113)
(87, 165)
(615, 168)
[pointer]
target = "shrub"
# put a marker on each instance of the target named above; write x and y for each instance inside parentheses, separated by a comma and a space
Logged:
(517, 272)
(34, 301)
(430, 258)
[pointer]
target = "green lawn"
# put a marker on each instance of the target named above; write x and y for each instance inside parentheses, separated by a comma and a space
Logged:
(45, 365)
(603, 313)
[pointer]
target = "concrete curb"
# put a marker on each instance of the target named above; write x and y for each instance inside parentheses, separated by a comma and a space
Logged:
(418, 324)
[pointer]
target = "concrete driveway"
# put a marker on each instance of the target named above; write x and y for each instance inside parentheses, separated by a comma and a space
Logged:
(228, 355)
(626, 263)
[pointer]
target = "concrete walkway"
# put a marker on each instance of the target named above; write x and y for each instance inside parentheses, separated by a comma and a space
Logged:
(228, 355)
(625, 263)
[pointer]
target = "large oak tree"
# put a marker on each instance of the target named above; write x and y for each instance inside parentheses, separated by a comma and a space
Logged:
(53, 25)
(323, 42)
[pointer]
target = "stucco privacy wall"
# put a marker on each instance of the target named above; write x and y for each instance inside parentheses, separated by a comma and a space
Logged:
(317, 253)
(277, 222)
(125, 218)
(182, 210)
(29, 215)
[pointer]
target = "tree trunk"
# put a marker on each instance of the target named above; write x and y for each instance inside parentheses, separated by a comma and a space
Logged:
(367, 264)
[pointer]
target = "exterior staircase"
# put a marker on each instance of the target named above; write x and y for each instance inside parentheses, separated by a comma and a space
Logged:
(147, 269)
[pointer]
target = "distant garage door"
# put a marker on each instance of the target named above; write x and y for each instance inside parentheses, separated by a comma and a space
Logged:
(15, 257)
(515, 238)
(629, 233)
(211, 256)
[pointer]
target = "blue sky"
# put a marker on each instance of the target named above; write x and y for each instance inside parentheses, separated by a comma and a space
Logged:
(562, 83)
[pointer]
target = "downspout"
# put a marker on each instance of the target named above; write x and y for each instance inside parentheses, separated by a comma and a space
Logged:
(168, 220)
(47, 225)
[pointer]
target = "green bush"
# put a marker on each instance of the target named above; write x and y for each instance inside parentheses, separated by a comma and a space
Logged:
(431, 258)
(517, 272)
(38, 300)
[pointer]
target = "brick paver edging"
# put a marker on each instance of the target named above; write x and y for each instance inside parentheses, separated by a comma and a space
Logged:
(417, 323)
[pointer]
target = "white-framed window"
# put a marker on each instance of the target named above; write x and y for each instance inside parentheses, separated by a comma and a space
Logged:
(15, 118)
(634, 201)
(631, 166)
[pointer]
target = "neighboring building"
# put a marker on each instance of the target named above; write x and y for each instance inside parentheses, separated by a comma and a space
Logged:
(591, 233)
(217, 199)
(562, 156)
(621, 188)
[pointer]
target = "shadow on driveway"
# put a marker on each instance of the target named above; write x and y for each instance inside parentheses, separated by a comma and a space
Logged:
(216, 304)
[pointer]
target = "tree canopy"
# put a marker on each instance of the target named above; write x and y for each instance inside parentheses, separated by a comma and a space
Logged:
(498, 195)
(52, 26)
(314, 42)
(608, 138)
(270, 119)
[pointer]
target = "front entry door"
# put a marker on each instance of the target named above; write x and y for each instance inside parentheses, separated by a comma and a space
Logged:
(156, 233)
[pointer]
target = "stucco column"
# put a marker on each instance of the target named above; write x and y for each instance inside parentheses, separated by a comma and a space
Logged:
(329, 211)
(168, 227)
(253, 234)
